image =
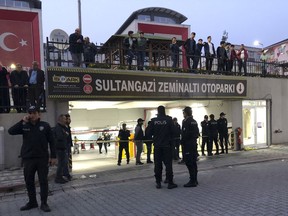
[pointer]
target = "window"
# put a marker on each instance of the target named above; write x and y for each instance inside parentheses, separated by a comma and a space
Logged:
(13, 3)
(164, 20)
(144, 17)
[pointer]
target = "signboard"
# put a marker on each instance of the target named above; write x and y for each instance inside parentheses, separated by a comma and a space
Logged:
(110, 84)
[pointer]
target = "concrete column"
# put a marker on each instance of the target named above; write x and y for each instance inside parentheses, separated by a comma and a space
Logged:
(236, 117)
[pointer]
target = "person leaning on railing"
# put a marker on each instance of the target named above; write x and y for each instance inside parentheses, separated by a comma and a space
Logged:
(130, 44)
(19, 82)
(36, 84)
(4, 90)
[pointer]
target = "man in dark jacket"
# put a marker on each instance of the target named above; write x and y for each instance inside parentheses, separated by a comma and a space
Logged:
(69, 142)
(19, 82)
(130, 44)
(213, 135)
(138, 139)
(123, 136)
(90, 51)
(198, 51)
(61, 143)
(35, 155)
(76, 47)
(36, 84)
(190, 134)
(221, 56)
(141, 50)
(205, 138)
(209, 53)
(190, 46)
(223, 132)
(162, 129)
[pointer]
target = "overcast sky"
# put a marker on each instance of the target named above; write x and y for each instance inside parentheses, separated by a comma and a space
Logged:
(245, 20)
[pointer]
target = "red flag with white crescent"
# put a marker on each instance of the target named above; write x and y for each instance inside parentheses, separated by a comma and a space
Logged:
(19, 37)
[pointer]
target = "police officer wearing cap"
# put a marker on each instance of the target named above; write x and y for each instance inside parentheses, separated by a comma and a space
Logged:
(205, 138)
(162, 130)
(123, 136)
(190, 134)
(213, 135)
(138, 138)
(35, 155)
(223, 132)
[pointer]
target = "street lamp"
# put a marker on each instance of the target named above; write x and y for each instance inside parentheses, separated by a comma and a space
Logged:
(257, 43)
(79, 15)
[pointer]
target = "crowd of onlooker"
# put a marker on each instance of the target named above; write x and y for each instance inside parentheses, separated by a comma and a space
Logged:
(27, 87)
(194, 56)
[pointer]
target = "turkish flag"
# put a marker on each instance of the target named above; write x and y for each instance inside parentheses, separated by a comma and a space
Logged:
(16, 42)
(20, 39)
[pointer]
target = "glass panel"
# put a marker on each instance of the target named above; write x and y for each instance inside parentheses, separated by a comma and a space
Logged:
(2, 2)
(144, 17)
(9, 3)
(249, 126)
(261, 125)
(164, 20)
(18, 4)
(25, 5)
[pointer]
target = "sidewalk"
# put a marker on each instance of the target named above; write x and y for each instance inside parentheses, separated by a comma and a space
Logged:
(12, 181)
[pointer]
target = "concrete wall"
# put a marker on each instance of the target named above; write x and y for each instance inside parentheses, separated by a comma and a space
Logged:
(277, 91)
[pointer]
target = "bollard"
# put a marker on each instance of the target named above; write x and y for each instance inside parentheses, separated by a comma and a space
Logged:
(2, 148)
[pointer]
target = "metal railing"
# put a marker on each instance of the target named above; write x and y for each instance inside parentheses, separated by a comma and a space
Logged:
(19, 99)
(57, 54)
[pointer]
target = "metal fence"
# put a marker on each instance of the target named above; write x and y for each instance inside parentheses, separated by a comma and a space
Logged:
(18, 99)
(57, 54)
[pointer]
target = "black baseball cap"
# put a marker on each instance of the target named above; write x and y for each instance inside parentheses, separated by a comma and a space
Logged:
(33, 109)
(140, 120)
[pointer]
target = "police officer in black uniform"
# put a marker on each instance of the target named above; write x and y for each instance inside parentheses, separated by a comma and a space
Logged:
(213, 135)
(205, 138)
(148, 142)
(190, 134)
(162, 130)
(177, 139)
(35, 155)
(123, 135)
(223, 132)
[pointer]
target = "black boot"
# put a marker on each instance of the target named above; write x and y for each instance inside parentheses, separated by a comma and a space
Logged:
(29, 205)
(158, 185)
(190, 184)
(172, 185)
(44, 207)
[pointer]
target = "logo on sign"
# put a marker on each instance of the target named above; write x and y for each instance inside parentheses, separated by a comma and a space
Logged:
(87, 79)
(240, 88)
(88, 89)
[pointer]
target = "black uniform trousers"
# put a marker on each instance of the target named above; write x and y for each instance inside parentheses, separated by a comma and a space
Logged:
(190, 158)
(225, 137)
(213, 138)
(125, 146)
(205, 141)
(163, 154)
(31, 166)
(149, 150)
